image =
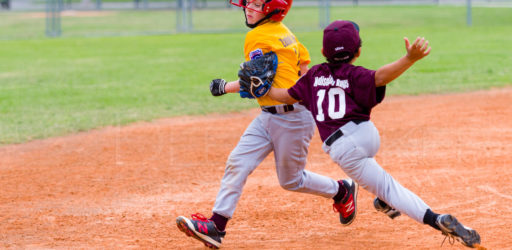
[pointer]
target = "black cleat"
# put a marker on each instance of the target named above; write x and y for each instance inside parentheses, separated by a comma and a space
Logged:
(383, 207)
(452, 228)
(347, 207)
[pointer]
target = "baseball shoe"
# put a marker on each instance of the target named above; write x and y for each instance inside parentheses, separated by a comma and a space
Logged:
(383, 207)
(452, 228)
(201, 229)
(347, 207)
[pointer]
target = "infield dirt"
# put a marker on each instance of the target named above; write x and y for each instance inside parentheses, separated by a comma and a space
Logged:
(123, 187)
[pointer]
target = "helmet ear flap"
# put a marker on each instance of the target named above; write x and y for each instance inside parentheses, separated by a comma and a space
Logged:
(277, 9)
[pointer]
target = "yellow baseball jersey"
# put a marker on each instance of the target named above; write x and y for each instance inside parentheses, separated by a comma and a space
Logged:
(275, 36)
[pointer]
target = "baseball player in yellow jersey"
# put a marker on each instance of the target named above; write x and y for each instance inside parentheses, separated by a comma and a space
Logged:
(284, 129)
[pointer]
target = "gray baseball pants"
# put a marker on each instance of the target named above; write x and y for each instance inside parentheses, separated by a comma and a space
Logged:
(354, 153)
(287, 134)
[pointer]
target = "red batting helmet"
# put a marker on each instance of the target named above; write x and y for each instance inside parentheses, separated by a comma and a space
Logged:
(277, 9)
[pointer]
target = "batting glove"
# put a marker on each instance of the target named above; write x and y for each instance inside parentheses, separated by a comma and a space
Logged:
(217, 87)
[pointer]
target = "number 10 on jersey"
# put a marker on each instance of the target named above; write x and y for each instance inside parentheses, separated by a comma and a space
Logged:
(334, 95)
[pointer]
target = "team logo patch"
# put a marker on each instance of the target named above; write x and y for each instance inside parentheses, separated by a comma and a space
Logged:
(255, 54)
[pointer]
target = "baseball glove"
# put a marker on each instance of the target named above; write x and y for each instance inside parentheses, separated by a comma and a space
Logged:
(256, 76)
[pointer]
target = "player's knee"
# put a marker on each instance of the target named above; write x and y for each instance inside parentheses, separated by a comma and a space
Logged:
(232, 168)
(237, 167)
(292, 184)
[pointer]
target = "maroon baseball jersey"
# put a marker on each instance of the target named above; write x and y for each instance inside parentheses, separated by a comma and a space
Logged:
(337, 94)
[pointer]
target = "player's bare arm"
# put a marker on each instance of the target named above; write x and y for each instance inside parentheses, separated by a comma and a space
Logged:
(220, 87)
(232, 87)
(303, 69)
(281, 95)
(415, 51)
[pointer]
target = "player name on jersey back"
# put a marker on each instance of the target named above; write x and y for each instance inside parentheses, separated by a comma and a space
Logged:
(329, 81)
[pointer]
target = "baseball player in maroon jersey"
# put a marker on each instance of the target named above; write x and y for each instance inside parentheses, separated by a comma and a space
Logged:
(340, 97)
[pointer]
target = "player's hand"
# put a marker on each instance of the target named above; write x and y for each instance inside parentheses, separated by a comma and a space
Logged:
(217, 87)
(418, 49)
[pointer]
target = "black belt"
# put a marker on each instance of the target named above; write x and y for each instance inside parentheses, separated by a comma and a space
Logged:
(273, 109)
(336, 135)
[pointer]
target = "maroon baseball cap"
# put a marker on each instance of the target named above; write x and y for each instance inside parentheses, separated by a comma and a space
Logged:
(341, 41)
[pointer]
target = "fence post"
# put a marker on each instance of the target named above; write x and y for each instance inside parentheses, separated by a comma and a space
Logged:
(469, 19)
(191, 4)
(325, 13)
(53, 9)
(179, 16)
(184, 16)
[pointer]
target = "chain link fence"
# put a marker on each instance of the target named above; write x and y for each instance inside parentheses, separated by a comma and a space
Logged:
(24, 19)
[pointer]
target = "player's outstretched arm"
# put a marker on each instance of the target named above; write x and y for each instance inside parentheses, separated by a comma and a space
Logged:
(220, 87)
(232, 87)
(303, 69)
(281, 95)
(415, 51)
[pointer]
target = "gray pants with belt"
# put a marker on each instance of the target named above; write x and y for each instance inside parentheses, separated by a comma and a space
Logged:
(354, 153)
(287, 134)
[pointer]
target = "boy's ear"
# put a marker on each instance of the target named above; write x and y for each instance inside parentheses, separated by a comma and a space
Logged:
(322, 49)
(358, 52)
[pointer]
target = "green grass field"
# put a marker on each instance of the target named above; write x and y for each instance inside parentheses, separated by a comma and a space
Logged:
(52, 87)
